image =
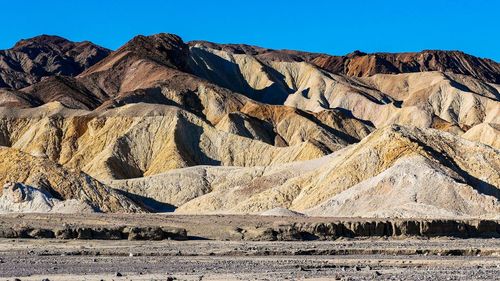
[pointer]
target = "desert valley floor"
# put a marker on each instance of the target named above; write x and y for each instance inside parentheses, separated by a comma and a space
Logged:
(236, 247)
(369, 259)
(239, 247)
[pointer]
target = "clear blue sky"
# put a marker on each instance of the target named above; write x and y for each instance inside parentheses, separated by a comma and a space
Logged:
(335, 27)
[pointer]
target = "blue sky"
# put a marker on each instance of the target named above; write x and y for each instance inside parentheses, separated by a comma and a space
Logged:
(334, 27)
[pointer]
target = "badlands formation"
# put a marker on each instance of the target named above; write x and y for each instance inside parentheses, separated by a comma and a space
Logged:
(161, 125)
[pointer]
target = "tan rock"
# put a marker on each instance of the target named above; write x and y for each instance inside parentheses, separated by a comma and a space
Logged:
(19, 198)
(487, 133)
(429, 181)
(43, 174)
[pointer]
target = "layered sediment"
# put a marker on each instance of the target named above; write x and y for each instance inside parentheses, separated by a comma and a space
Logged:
(163, 125)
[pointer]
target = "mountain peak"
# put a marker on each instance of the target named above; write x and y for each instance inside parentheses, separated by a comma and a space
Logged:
(356, 53)
(29, 60)
(158, 39)
(43, 39)
(164, 48)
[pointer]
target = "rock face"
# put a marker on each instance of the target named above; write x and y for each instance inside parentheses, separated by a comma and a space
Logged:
(427, 99)
(361, 64)
(250, 228)
(166, 49)
(32, 59)
(200, 127)
(46, 180)
(394, 172)
(19, 198)
(139, 139)
(487, 133)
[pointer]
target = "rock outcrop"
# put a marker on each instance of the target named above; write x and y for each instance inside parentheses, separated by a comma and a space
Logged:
(19, 198)
(46, 180)
(252, 228)
(487, 133)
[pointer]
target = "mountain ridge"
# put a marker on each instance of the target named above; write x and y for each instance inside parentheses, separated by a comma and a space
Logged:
(199, 127)
(356, 63)
(29, 60)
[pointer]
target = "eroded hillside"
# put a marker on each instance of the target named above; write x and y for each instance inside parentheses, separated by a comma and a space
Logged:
(199, 127)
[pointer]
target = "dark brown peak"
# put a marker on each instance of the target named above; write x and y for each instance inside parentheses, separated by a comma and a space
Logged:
(458, 54)
(356, 53)
(333, 64)
(437, 53)
(59, 45)
(32, 59)
(155, 39)
(164, 48)
(454, 54)
(42, 40)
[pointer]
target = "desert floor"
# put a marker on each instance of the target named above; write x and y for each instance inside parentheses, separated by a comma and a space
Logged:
(215, 251)
(344, 259)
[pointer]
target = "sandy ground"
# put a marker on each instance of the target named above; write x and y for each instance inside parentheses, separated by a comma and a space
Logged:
(346, 259)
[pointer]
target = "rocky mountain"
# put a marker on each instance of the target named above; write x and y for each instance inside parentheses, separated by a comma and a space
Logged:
(360, 64)
(30, 60)
(395, 172)
(199, 127)
(59, 182)
(414, 98)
